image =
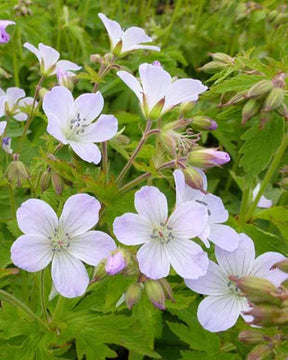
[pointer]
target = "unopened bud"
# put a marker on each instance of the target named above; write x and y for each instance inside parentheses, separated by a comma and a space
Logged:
(115, 263)
(282, 265)
(219, 56)
(155, 293)
(16, 172)
(268, 315)
(133, 294)
(64, 78)
(213, 66)
(249, 110)
(257, 290)
(237, 98)
(45, 180)
(99, 271)
(203, 123)
(274, 99)
(6, 145)
(251, 337)
(206, 158)
(260, 88)
(195, 178)
(260, 352)
(57, 182)
(95, 58)
(167, 289)
(282, 110)
(42, 92)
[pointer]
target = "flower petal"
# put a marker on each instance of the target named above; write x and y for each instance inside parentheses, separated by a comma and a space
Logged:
(132, 229)
(5, 23)
(31, 252)
(59, 101)
(185, 192)
(102, 130)
(66, 65)
(134, 36)
(262, 268)
(36, 217)
(224, 237)
(89, 106)
(144, 47)
(13, 95)
(217, 211)
(153, 260)
(69, 275)
(214, 282)
(56, 128)
(86, 151)
(187, 258)
(33, 49)
(113, 29)
(155, 82)
(188, 220)
(240, 261)
(219, 313)
(92, 246)
(49, 56)
(3, 99)
(152, 204)
(3, 125)
(132, 83)
(80, 213)
(183, 90)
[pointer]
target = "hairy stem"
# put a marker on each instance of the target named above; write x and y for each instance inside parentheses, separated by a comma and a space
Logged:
(135, 153)
(42, 296)
(5, 296)
(30, 118)
(272, 168)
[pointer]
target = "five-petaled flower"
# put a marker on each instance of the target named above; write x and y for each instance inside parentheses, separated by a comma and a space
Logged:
(14, 103)
(128, 40)
(70, 121)
(4, 36)
(66, 242)
(157, 92)
(221, 235)
(221, 309)
(166, 240)
(49, 64)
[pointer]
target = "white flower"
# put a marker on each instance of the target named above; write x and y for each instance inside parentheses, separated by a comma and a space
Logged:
(12, 101)
(128, 40)
(157, 92)
(166, 240)
(221, 309)
(221, 235)
(65, 242)
(263, 202)
(49, 64)
(70, 121)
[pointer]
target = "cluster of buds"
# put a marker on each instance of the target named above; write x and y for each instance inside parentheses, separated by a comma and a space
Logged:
(263, 97)
(157, 291)
(245, 10)
(50, 176)
(22, 8)
(220, 62)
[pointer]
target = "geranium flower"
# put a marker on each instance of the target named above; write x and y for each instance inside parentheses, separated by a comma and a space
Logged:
(263, 202)
(4, 36)
(157, 92)
(12, 101)
(221, 235)
(70, 121)
(166, 240)
(49, 64)
(221, 309)
(65, 242)
(3, 125)
(128, 40)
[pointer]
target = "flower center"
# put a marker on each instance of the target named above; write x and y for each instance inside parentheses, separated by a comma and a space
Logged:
(234, 289)
(163, 234)
(59, 241)
(76, 127)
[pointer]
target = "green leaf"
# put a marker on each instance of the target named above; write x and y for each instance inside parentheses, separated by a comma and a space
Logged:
(260, 145)
(278, 215)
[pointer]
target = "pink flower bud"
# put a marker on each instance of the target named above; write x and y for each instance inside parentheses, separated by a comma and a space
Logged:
(115, 263)
(206, 158)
